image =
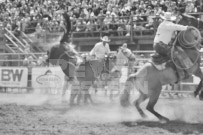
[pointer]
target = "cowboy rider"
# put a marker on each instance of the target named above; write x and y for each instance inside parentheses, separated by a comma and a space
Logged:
(165, 33)
(101, 49)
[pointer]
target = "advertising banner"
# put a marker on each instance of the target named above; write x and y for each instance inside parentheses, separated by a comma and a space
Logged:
(47, 78)
(13, 76)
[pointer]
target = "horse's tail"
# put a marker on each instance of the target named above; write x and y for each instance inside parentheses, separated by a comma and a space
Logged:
(125, 95)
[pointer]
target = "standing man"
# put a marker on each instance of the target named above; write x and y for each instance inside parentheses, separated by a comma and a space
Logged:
(101, 49)
(130, 55)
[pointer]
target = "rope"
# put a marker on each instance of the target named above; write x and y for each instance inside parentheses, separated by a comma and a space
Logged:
(172, 57)
(185, 44)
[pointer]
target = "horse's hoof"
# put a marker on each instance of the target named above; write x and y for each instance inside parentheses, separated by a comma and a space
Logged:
(124, 103)
(144, 116)
(72, 104)
(164, 120)
(195, 94)
(64, 101)
(200, 98)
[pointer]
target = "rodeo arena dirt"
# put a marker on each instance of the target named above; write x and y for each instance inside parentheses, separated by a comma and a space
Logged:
(70, 92)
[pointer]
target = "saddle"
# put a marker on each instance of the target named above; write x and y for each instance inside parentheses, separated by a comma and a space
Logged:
(176, 58)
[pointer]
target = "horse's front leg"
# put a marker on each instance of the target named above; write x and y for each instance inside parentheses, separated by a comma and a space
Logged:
(65, 86)
(85, 88)
(75, 91)
(196, 92)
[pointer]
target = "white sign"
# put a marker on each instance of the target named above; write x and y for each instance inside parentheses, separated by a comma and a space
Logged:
(47, 77)
(13, 77)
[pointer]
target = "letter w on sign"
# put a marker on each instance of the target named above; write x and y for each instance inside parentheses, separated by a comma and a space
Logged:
(10, 74)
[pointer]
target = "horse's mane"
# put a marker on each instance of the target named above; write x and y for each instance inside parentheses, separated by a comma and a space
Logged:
(72, 48)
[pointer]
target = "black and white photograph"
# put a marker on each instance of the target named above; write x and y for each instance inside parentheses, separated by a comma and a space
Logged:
(101, 67)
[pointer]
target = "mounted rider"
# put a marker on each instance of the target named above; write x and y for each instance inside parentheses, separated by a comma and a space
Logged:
(165, 37)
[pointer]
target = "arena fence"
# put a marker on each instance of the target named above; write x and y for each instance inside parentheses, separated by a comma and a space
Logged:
(22, 79)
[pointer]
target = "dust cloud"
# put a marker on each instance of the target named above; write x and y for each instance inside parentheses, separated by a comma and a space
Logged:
(106, 111)
(189, 110)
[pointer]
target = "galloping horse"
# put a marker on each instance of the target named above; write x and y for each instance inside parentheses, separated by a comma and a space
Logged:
(86, 72)
(148, 80)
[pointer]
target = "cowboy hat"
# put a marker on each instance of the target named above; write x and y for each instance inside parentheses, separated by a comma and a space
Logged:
(168, 16)
(105, 39)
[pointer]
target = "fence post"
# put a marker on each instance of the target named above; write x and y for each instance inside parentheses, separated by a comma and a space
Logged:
(101, 24)
(131, 28)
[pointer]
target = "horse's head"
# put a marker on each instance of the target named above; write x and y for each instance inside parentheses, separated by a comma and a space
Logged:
(201, 95)
(185, 19)
(64, 55)
(73, 54)
(128, 53)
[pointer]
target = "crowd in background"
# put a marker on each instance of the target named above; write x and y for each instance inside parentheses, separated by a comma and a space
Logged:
(87, 15)
(27, 61)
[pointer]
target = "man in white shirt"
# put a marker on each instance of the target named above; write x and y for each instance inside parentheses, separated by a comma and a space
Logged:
(165, 33)
(162, 41)
(129, 54)
(101, 49)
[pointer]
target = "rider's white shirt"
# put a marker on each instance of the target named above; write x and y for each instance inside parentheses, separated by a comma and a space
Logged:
(100, 50)
(166, 30)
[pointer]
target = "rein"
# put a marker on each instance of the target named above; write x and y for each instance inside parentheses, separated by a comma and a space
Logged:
(182, 40)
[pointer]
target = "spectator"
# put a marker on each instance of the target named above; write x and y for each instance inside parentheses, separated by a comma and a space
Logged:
(90, 27)
(101, 49)
(80, 25)
(39, 30)
(190, 8)
(24, 12)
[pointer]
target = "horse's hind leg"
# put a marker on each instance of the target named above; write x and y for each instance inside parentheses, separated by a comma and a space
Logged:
(153, 98)
(64, 90)
(74, 92)
(87, 95)
(79, 94)
(73, 96)
(137, 103)
(199, 74)
(196, 92)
